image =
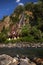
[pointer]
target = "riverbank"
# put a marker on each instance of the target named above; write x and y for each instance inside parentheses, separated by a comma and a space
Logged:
(21, 44)
(8, 60)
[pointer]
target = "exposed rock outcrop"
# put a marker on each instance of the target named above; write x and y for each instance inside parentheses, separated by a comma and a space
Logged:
(5, 59)
(5, 23)
(8, 60)
(38, 61)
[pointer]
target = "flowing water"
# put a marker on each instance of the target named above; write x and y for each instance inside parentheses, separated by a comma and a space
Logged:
(30, 52)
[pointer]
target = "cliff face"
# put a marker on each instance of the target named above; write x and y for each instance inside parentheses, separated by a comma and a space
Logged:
(26, 21)
(5, 23)
(15, 20)
(1, 26)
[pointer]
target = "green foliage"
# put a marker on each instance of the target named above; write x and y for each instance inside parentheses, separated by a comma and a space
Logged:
(36, 33)
(27, 39)
(31, 32)
(14, 19)
(25, 30)
(19, 9)
(3, 37)
(12, 41)
(29, 6)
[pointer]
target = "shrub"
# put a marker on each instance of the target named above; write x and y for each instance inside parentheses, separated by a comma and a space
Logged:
(3, 37)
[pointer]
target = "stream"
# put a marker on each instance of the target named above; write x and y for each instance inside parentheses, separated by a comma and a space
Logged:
(29, 52)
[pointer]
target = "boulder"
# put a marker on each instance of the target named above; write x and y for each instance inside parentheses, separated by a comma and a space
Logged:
(26, 61)
(38, 60)
(8, 60)
(5, 59)
(32, 63)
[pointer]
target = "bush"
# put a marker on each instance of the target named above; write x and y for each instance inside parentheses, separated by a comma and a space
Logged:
(27, 39)
(36, 33)
(3, 37)
(25, 30)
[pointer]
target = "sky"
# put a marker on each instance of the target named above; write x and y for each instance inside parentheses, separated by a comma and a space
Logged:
(7, 6)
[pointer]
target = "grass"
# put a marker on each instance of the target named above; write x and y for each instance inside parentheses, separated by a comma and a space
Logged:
(21, 39)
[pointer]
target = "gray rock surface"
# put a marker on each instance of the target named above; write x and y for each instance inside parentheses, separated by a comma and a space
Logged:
(8, 60)
(26, 61)
(5, 59)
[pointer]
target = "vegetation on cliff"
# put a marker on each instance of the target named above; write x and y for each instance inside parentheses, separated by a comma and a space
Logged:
(26, 22)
